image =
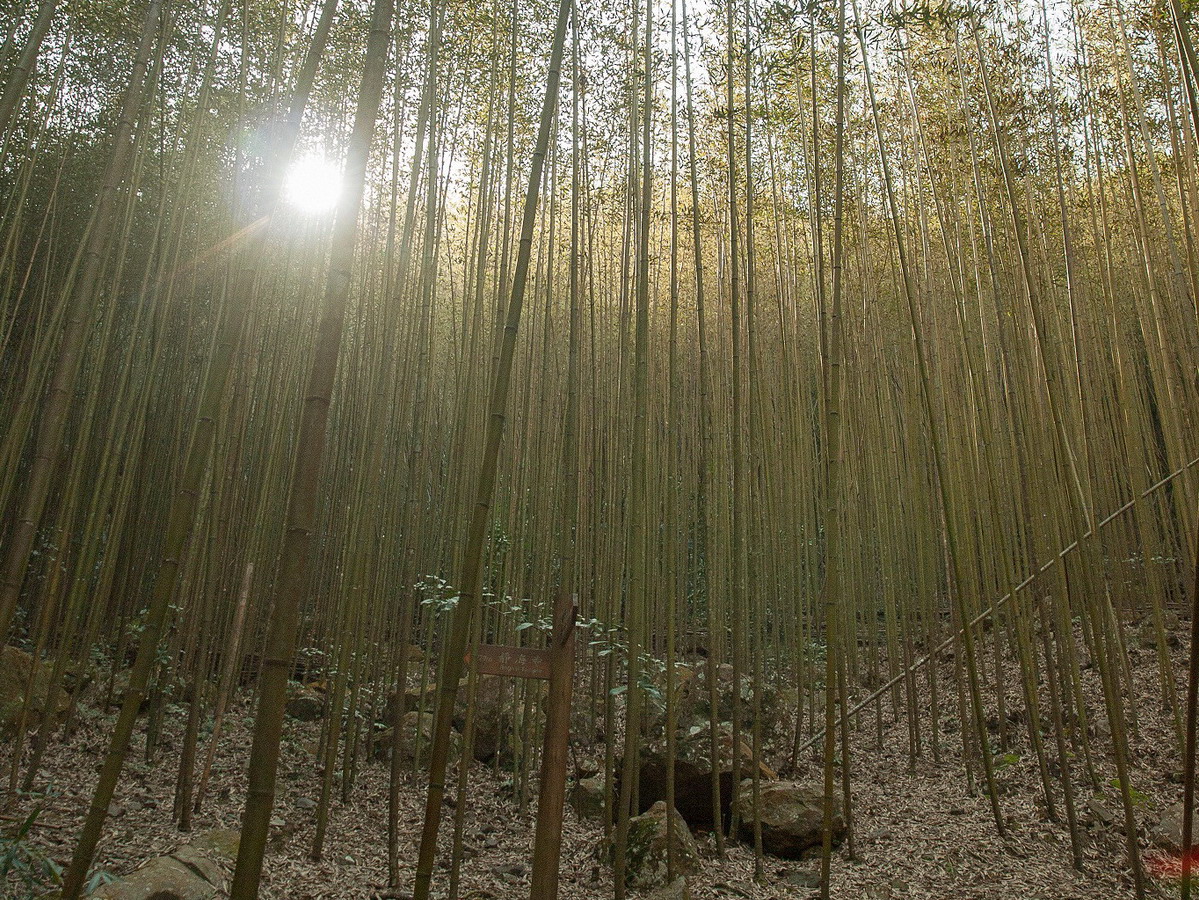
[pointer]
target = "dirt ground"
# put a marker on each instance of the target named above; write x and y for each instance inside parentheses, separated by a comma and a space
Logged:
(919, 832)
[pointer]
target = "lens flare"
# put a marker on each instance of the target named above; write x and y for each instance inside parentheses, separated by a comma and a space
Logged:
(312, 185)
(1169, 866)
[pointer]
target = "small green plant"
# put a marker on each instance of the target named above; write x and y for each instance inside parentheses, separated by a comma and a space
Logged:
(1138, 799)
(437, 594)
(98, 880)
(1006, 759)
(24, 862)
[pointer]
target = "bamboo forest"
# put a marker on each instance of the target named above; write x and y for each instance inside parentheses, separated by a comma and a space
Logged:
(664, 449)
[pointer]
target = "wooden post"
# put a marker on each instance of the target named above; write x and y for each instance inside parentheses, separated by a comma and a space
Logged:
(557, 664)
(547, 842)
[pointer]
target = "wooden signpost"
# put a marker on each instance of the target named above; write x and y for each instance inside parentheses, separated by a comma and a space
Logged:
(554, 664)
(513, 662)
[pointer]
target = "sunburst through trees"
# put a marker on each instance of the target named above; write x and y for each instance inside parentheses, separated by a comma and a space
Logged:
(810, 391)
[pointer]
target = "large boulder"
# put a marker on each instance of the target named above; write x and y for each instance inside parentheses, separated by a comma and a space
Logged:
(678, 889)
(46, 704)
(686, 697)
(587, 797)
(184, 875)
(1168, 831)
(78, 677)
(1144, 635)
(219, 843)
(415, 725)
(792, 818)
(420, 699)
(693, 773)
(499, 712)
(120, 687)
(770, 701)
(646, 853)
(304, 703)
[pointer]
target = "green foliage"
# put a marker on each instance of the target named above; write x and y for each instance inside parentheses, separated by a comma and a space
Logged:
(25, 863)
(98, 880)
(437, 594)
(1004, 760)
(605, 638)
(1139, 799)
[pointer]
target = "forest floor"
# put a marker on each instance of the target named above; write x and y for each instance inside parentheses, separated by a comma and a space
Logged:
(919, 832)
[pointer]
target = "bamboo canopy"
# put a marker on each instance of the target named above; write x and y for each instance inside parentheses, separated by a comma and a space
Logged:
(823, 370)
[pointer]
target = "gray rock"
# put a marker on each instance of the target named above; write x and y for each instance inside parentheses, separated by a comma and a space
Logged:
(647, 848)
(183, 876)
(803, 879)
(413, 724)
(16, 668)
(1102, 812)
(304, 704)
(693, 772)
(587, 797)
(219, 843)
(792, 818)
(1168, 831)
(499, 713)
(514, 868)
(676, 890)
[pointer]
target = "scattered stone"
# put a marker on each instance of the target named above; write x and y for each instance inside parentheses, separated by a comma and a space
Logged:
(771, 706)
(418, 699)
(724, 887)
(515, 869)
(1146, 637)
(304, 703)
(647, 848)
(792, 818)
(120, 687)
(306, 804)
(77, 678)
(1102, 812)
